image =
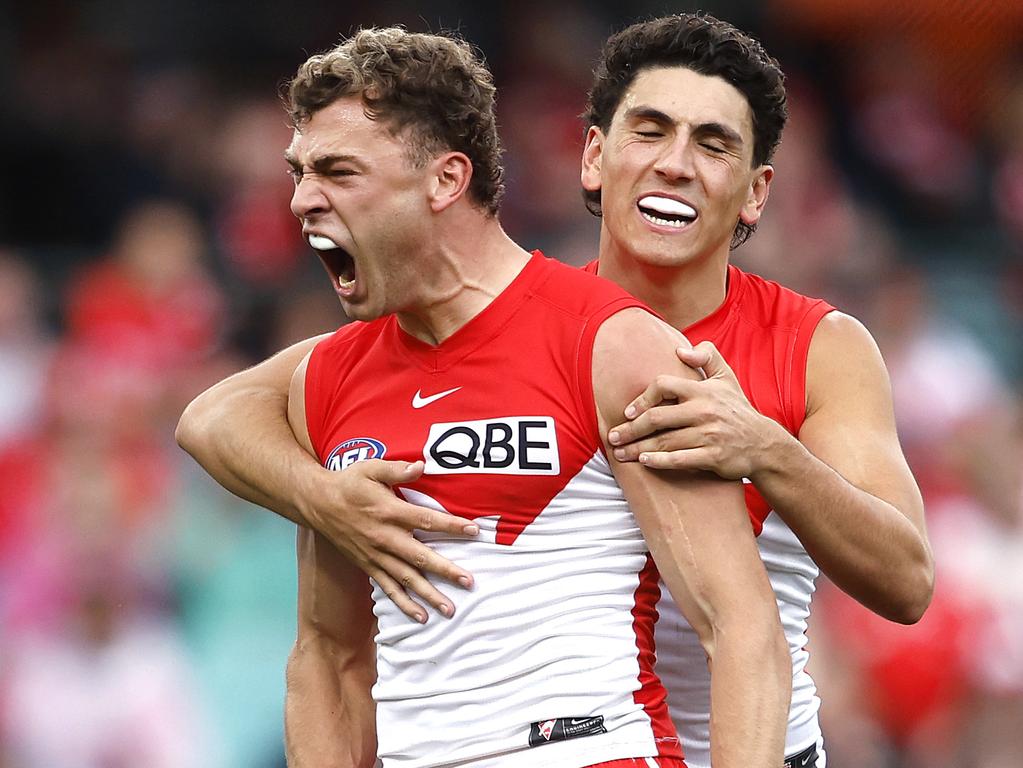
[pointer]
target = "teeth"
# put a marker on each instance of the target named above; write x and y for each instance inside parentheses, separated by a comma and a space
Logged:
(321, 243)
(676, 223)
(668, 206)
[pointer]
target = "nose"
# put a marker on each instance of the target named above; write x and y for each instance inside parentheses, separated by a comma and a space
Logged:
(308, 198)
(677, 161)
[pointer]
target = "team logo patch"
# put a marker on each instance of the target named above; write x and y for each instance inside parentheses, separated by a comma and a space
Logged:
(563, 728)
(513, 445)
(356, 449)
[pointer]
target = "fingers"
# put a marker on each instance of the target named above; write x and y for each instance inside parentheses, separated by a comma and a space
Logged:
(662, 388)
(420, 556)
(669, 440)
(398, 579)
(712, 361)
(415, 518)
(695, 357)
(397, 595)
(692, 459)
(391, 472)
(662, 417)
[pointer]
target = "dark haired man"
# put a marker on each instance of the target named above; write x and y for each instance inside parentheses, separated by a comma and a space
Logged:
(685, 114)
(390, 127)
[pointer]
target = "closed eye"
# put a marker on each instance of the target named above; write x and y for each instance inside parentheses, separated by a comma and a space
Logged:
(297, 174)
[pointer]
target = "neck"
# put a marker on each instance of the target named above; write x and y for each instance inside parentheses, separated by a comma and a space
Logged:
(682, 294)
(460, 278)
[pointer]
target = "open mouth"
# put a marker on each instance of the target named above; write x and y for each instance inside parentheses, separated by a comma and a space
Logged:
(666, 211)
(338, 262)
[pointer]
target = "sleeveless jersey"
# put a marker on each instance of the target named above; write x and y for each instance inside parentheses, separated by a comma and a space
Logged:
(548, 659)
(763, 331)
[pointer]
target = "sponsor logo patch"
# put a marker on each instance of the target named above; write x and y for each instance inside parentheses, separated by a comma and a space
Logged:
(351, 451)
(563, 728)
(514, 445)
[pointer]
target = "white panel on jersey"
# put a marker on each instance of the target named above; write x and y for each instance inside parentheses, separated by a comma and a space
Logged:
(682, 665)
(547, 631)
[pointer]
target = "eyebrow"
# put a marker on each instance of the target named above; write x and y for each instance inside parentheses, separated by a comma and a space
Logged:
(320, 163)
(719, 130)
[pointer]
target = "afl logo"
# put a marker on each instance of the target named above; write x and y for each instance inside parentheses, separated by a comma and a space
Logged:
(356, 449)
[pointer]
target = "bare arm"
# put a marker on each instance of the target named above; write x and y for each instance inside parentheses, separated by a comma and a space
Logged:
(700, 536)
(330, 717)
(238, 432)
(843, 486)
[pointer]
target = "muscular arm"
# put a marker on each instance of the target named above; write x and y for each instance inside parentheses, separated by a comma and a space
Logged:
(699, 534)
(329, 713)
(843, 486)
(238, 431)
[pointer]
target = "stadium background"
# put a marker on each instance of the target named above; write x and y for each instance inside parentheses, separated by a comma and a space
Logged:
(146, 250)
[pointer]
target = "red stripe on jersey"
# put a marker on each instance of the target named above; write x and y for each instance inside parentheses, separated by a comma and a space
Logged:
(651, 694)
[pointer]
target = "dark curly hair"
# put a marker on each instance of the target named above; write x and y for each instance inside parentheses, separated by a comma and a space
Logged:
(433, 89)
(706, 45)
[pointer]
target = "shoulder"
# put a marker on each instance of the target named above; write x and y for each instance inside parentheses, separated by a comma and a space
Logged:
(352, 333)
(843, 357)
(632, 348)
(578, 291)
(772, 303)
(348, 342)
(837, 332)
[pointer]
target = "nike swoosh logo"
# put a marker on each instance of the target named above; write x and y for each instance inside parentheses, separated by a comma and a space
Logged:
(418, 401)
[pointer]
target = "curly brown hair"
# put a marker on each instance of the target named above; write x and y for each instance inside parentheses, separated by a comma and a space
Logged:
(706, 45)
(433, 89)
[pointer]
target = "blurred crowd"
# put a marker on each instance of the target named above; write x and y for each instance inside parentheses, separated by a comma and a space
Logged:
(147, 250)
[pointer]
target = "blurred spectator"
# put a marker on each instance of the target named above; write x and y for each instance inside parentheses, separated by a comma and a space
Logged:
(257, 231)
(25, 348)
(110, 688)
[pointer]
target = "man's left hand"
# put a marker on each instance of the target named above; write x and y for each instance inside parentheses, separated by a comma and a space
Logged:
(708, 425)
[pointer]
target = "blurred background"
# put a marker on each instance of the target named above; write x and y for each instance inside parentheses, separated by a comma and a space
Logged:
(147, 250)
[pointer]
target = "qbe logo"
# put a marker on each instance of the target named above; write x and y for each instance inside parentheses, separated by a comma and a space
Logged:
(514, 445)
(356, 449)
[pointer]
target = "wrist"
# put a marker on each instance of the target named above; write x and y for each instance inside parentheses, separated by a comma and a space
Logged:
(777, 453)
(306, 478)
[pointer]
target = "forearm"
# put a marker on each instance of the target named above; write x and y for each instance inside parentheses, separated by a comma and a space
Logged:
(240, 436)
(751, 690)
(329, 713)
(867, 546)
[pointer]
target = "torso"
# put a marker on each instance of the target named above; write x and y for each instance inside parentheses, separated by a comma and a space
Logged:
(763, 331)
(557, 633)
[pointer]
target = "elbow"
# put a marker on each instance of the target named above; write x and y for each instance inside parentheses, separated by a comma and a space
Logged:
(189, 432)
(918, 593)
(909, 592)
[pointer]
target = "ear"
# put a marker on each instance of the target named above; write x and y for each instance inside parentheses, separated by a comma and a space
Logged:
(449, 179)
(759, 188)
(593, 151)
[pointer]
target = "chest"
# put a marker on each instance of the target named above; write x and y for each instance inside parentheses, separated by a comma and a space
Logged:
(499, 435)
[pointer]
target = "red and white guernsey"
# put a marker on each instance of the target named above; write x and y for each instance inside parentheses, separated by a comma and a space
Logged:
(763, 331)
(548, 660)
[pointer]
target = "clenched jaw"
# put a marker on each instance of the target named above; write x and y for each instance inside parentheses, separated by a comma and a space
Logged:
(666, 211)
(339, 263)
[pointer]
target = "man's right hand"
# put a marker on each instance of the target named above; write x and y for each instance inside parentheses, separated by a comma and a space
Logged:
(358, 511)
